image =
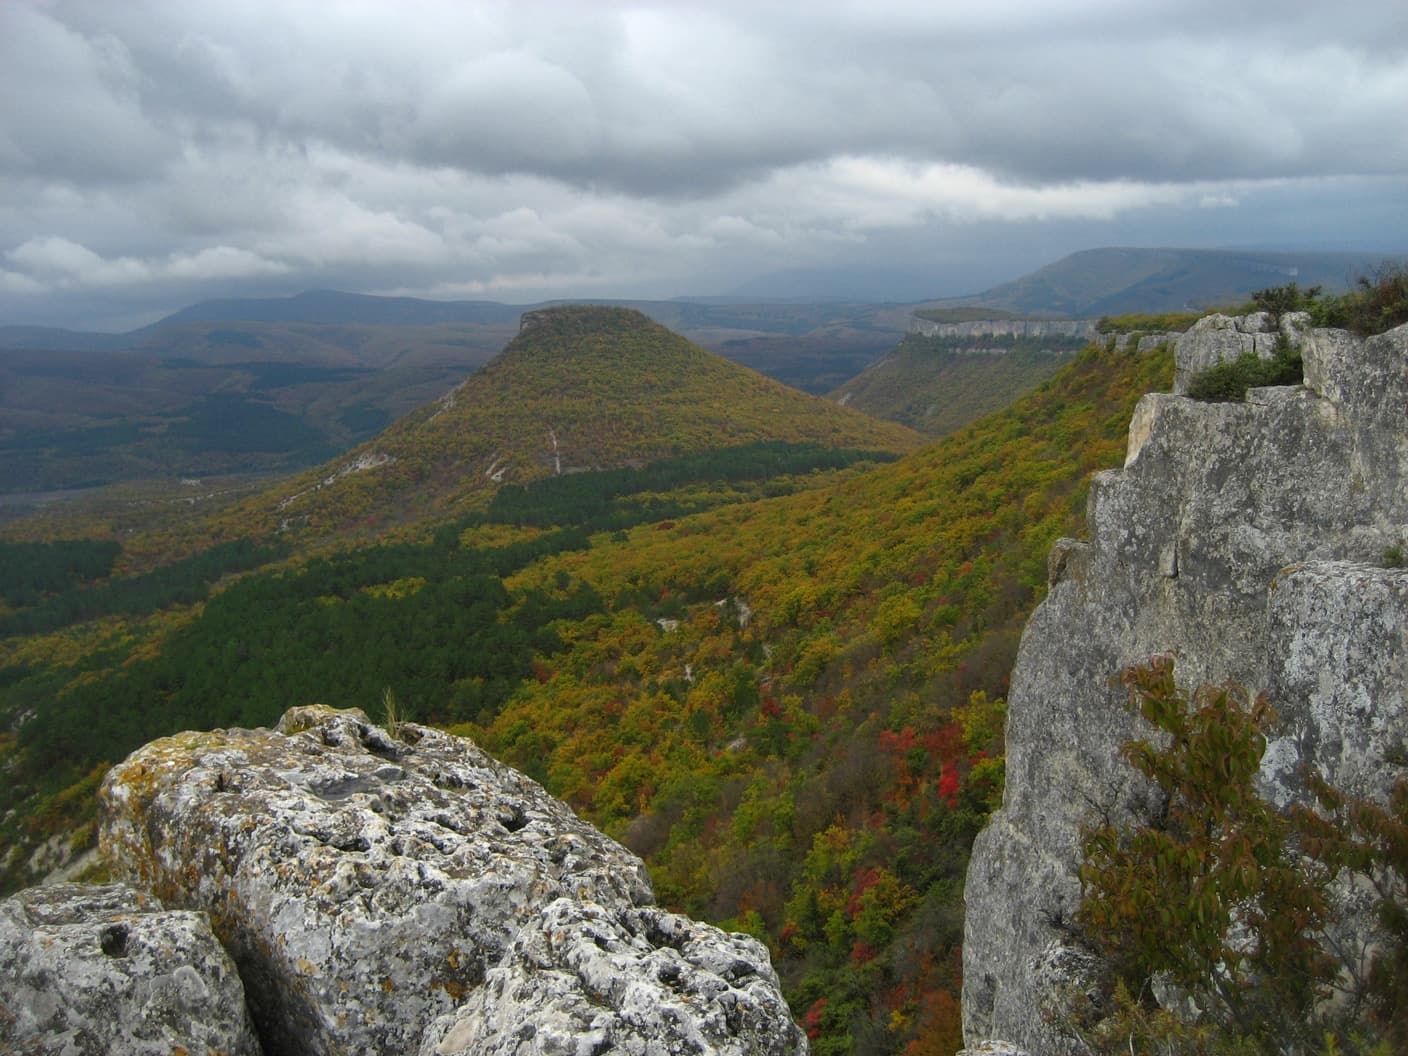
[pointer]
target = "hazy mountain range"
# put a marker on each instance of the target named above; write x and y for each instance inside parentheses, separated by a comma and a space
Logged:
(258, 385)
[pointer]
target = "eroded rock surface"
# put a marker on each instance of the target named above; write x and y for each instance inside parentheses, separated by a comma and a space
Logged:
(1247, 540)
(370, 887)
(105, 971)
(1215, 338)
(992, 1048)
(1015, 328)
(582, 978)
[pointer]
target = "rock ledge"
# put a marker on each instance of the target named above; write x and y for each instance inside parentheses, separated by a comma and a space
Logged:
(377, 894)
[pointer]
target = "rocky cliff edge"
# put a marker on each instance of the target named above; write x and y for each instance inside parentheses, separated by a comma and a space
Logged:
(372, 894)
(1248, 541)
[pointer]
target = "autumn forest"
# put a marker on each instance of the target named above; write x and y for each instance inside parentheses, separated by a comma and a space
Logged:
(761, 639)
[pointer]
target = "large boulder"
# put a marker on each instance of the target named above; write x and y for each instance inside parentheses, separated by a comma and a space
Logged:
(1247, 540)
(370, 886)
(105, 971)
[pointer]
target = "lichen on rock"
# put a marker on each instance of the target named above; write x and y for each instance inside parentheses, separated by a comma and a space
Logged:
(372, 886)
(105, 971)
(640, 981)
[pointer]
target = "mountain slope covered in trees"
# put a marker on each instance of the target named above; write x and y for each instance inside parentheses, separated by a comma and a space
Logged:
(788, 702)
(1115, 280)
(273, 385)
(580, 388)
(937, 385)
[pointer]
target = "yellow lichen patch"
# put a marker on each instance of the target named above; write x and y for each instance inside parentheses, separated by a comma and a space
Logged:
(160, 760)
(310, 716)
(454, 988)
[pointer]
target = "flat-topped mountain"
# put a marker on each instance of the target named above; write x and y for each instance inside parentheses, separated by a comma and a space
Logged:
(579, 388)
(1115, 280)
(281, 384)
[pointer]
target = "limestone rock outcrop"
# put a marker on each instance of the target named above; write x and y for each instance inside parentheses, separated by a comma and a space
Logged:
(1015, 328)
(388, 894)
(1216, 338)
(1247, 540)
(992, 1048)
(582, 978)
(105, 971)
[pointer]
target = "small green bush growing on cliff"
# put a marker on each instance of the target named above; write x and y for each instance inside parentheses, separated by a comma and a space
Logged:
(1288, 298)
(1377, 302)
(1223, 899)
(1210, 896)
(1228, 382)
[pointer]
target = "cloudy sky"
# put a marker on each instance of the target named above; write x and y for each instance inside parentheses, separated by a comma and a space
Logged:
(158, 152)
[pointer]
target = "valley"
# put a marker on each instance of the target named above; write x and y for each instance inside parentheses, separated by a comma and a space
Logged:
(762, 638)
(768, 651)
(276, 385)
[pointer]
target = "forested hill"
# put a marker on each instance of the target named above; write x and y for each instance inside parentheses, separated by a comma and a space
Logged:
(788, 703)
(580, 388)
(938, 384)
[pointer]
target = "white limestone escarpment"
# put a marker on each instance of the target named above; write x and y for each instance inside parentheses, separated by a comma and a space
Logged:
(1015, 328)
(410, 894)
(1246, 540)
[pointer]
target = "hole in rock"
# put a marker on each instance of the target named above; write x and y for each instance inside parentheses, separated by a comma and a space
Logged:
(113, 940)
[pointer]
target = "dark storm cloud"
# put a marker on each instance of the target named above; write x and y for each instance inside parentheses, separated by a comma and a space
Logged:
(155, 149)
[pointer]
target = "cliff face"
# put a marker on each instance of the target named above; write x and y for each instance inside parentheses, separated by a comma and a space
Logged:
(1016, 328)
(380, 894)
(1247, 541)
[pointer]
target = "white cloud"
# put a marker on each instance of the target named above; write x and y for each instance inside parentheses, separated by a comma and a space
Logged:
(59, 263)
(221, 262)
(174, 149)
(73, 111)
(16, 283)
(68, 264)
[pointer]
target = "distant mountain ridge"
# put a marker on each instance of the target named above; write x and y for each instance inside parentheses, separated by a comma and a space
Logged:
(337, 307)
(1112, 281)
(1087, 283)
(243, 385)
(270, 384)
